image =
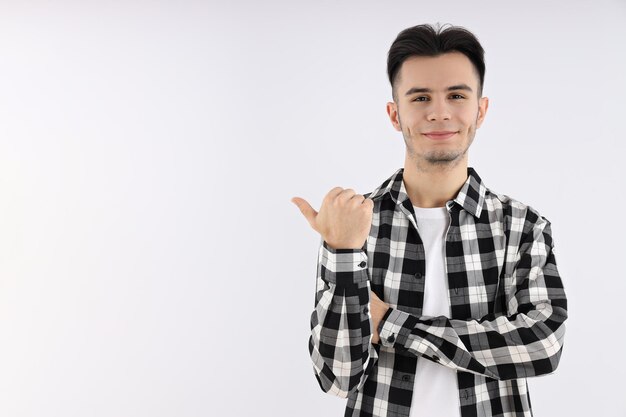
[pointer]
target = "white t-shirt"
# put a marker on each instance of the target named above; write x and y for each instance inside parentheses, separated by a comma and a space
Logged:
(435, 392)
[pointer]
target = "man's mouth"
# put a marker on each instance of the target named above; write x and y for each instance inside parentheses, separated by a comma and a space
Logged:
(439, 134)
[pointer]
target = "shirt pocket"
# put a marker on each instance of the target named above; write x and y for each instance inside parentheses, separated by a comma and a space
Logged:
(480, 293)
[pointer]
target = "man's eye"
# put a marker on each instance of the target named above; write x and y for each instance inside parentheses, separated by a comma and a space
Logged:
(420, 98)
(457, 96)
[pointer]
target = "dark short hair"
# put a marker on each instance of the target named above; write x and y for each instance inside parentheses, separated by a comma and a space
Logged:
(426, 40)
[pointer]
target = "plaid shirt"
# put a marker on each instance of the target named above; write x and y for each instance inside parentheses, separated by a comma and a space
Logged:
(507, 306)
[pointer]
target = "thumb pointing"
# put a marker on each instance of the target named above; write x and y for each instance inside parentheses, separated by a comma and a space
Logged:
(306, 209)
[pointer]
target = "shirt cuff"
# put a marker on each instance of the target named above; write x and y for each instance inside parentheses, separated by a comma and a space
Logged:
(343, 266)
(396, 326)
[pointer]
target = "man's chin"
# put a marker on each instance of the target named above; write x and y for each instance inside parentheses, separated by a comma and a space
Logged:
(443, 159)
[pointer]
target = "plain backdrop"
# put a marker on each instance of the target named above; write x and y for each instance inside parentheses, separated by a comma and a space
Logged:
(151, 263)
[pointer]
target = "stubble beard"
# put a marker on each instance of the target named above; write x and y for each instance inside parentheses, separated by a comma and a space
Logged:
(436, 158)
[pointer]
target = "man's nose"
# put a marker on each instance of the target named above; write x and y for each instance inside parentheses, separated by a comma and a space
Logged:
(438, 110)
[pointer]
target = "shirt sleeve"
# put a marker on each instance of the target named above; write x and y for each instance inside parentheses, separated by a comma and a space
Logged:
(525, 341)
(341, 331)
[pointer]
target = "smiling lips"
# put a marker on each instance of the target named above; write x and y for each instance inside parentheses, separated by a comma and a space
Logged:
(439, 134)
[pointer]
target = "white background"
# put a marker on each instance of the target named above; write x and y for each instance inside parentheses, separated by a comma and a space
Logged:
(151, 263)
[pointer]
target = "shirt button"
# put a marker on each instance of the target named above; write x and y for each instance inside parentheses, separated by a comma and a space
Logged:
(362, 264)
(365, 310)
(418, 275)
(391, 339)
(406, 378)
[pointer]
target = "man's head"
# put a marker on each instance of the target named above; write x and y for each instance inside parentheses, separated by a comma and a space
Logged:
(437, 77)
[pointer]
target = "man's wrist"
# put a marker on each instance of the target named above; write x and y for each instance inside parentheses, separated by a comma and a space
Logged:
(342, 246)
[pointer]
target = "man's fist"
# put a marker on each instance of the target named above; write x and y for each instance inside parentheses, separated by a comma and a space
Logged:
(344, 220)
(378, 308)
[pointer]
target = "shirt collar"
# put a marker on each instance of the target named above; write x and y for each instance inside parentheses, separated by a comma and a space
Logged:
(471, 196)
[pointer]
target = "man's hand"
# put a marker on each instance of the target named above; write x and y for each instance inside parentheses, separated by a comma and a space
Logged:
(378, 308)
(344, 220)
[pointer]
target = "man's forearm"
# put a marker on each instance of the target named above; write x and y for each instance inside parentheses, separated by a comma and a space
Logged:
(340, 343)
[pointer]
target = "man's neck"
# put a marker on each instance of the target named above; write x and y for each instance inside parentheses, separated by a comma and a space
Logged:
(433, 185)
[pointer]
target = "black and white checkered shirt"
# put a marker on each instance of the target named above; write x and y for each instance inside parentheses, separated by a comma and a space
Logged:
(507, 306)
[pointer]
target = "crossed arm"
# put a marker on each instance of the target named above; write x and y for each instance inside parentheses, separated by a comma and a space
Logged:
(526, 341)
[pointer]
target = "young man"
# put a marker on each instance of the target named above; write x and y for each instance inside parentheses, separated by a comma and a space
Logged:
(435, 295)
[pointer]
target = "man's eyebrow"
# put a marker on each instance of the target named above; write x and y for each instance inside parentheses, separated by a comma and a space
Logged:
(415, 90)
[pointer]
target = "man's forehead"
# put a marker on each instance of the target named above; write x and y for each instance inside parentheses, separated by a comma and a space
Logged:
(438, 73)
(451, 58)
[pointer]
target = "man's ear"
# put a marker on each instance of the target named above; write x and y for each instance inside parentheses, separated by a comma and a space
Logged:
(392, 111)
(483, 104)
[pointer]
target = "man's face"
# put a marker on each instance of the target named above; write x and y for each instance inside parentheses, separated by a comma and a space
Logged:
(435, 95)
